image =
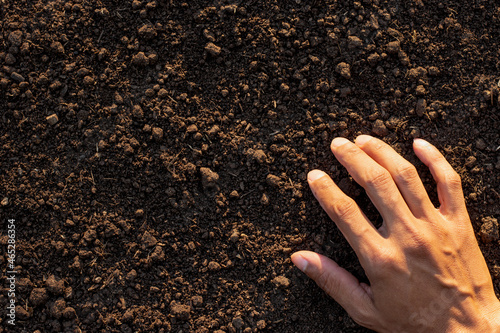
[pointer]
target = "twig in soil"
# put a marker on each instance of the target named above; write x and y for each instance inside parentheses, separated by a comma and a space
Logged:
(173, 160)
(100, 36)
(250, 192)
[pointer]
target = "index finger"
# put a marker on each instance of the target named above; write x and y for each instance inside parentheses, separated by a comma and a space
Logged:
(345, 212)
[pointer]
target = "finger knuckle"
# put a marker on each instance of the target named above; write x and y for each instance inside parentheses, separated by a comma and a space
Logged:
(406, 174)
(345, 209)
(378, 178)
(349, 150)
(452, 179)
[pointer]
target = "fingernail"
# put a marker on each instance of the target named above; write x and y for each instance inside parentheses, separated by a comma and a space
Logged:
(315, 174)
(300, 262)
(337, 142)
(362, 139)
(421, 143)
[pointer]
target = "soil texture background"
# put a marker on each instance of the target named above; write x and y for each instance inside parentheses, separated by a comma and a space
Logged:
(154, 153)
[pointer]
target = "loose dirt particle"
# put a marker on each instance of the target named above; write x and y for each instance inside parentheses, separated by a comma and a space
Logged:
(379, 128)
(344, 69)
(157, 133)
(273, 180)
(148, 240)
(39, 296)
(281, 282)
(140, 59)
(214, 266)
(489, 230)
(213, 49)
(54, 286)
(420, 107)
(208, 178)
(393, 47)
(180, 311)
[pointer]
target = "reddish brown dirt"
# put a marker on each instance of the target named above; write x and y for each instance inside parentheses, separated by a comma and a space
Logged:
(154, 154)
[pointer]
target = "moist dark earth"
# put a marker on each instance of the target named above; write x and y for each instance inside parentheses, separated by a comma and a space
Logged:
(154, 153)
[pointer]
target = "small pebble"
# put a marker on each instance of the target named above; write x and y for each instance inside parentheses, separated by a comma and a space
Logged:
(17, 77)
(52, 119)
(213, 49)
(273, 180)
(379, 128)
(157, 133)
(344, 70)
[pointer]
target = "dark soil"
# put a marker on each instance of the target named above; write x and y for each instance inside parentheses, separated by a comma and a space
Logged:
(154, 154)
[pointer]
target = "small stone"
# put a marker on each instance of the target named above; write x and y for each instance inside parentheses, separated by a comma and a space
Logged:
(433, 71)
(180, 311)
(163, 93)
(238, 322)
(157, 133)
(373, 59)
(213, 49)
(264, 199)
(57, 47)
(354, 42)
(261, 324)
(88, 80)
(139, 213)
(420, 107)
(17, 77)
(140, 59)
(197, 300)
(379, 128)
(209, 178)
(281, 282)
(214, 130)
(489, 230)
(137, 111)
(258, 155)
(5, 201)
(52, 119)
(132, 275)
(16, 38)
(192, 128)
(213, 266)
(69, 313)
(234, 236)
(234, 195)
(148, 240)
(284, 87)
(273, 180)
(420, 91)
(10, 59)
(344, 69)
(393, 47)
(39, 296)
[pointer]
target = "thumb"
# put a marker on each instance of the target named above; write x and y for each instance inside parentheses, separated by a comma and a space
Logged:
(342, 286)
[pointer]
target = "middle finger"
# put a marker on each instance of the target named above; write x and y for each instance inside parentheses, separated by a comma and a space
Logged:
(374, 178)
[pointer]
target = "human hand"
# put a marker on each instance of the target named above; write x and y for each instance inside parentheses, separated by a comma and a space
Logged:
(425, 268)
